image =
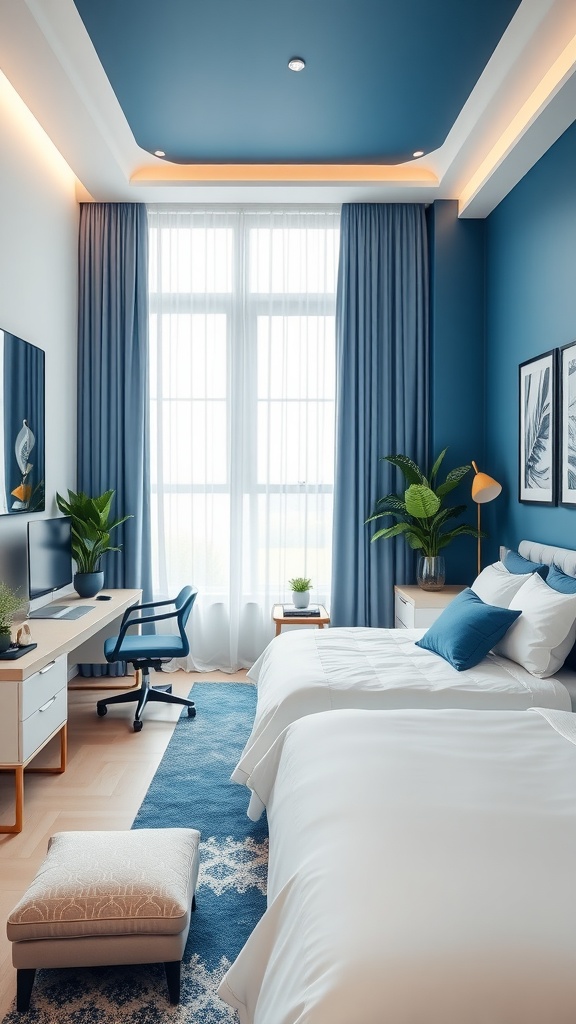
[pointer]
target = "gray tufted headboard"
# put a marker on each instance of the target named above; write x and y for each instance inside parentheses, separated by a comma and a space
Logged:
(564, 558)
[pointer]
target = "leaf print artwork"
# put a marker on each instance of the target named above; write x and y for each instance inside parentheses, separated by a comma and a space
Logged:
(537, 464)
(571, 440)
(537, 430)
(567, 424)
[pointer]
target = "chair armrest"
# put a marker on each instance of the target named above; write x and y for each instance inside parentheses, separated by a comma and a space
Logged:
(128, 620)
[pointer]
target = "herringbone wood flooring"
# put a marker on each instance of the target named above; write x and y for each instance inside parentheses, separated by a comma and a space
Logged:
(109, 770)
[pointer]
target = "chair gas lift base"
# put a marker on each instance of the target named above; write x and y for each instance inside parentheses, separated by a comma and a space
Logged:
(146, 652)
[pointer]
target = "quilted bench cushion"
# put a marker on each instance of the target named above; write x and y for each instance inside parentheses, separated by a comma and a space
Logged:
(110, 883)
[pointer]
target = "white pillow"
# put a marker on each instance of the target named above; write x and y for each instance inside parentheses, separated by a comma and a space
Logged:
(543, 636)
(495, 585)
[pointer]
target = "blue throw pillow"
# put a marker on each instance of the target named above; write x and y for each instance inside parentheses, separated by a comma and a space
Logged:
(519, 565)
(560, 581)
(467, 629)
(564, 584)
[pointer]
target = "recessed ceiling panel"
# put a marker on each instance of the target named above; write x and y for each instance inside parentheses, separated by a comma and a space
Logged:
(207, 81)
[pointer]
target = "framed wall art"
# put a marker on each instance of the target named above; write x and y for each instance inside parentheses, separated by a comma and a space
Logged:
(537, 455)
(567, 440)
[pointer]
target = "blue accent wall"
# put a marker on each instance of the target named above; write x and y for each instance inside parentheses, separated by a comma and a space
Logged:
(457, 305)
(531, 308)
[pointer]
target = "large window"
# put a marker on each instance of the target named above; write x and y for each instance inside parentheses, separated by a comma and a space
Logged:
(242, 415)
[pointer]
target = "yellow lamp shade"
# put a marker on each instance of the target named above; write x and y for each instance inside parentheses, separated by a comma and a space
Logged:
(485, 488)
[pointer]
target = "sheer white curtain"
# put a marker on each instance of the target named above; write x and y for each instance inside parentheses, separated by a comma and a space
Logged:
(242, 415)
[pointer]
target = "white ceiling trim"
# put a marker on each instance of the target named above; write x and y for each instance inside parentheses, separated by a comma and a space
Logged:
(524, 100)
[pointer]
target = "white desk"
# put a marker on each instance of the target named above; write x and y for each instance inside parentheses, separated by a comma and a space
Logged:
(33, 688)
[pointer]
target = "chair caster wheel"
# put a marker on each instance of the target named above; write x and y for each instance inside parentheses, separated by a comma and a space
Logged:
(191, 712)
(101, 710)
(138, 725)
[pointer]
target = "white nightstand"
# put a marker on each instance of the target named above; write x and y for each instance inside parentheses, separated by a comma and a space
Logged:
(414, 607)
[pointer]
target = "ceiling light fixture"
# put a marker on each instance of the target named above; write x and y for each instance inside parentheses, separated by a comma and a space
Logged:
(418, 152)
(296, 64)
(159, 152)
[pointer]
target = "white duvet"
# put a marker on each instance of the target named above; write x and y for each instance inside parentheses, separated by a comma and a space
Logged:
(311, 670)
(421, 872)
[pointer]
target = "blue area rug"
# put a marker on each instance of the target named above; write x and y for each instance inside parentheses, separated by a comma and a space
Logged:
(191, 788)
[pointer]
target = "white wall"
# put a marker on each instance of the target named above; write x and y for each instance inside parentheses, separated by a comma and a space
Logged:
(38, 293)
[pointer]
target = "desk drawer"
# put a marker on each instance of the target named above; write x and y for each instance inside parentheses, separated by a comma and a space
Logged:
(37, 689)
(42, 722)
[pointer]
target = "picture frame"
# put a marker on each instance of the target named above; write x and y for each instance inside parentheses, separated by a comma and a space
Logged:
(538, 429)
(567, 427)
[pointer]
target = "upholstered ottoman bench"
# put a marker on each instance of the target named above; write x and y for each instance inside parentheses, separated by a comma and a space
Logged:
(103, 898)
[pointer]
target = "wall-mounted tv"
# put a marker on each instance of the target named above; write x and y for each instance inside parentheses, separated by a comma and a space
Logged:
(22, 439)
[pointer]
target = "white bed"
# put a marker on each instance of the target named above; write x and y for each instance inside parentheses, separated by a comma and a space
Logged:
(421, 871)
(308, 671)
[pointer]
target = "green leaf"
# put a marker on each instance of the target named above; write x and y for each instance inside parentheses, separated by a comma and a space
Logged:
(421, 502)
(458, 531)
(436, 466)
(391, 501)
(391, 531)
(452, 480)
(407, 466)
(448, 513)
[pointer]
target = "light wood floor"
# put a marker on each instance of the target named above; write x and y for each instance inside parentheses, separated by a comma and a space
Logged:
(109, 770)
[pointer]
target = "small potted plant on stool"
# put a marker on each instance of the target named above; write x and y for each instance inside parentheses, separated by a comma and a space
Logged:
(301, 588)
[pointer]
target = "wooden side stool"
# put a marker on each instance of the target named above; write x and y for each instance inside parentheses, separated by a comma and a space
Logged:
(102, 898)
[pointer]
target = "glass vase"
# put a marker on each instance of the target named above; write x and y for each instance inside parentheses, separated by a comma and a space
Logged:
(431, 572)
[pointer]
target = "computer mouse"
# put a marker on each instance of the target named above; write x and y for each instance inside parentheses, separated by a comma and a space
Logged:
(104, 597)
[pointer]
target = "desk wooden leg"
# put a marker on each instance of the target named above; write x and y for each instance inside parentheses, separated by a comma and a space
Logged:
(19, 783)
(320, 625)
(19, 799)
(278, 628)
(63, 754)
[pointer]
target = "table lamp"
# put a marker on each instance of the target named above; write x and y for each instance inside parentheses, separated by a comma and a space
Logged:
(484, 488)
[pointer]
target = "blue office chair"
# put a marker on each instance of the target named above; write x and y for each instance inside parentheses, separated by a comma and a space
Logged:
(150, 651)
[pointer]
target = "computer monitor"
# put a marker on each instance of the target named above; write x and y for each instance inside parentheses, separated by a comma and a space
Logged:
(49, 555)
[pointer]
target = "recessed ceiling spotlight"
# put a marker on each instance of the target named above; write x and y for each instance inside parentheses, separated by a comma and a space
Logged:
(159, 152)
(418, 152)
(296, 64)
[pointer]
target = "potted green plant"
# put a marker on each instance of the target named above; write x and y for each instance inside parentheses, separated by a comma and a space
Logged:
(301, 587)
(9, 603)
(91, 528)
(421, 516)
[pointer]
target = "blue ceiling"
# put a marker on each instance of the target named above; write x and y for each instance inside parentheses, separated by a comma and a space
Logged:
(207, 80)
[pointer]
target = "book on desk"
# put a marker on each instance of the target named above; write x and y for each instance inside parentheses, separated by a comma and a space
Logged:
(291, 611)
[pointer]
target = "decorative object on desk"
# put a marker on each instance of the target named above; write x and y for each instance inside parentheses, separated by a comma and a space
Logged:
(568, 424)
(91, 529)
(421, 519)
(16, 651)
(24, 636)
(309, 612)
(484, 489)
(301, 587)
(9, 604)
(537, 394)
